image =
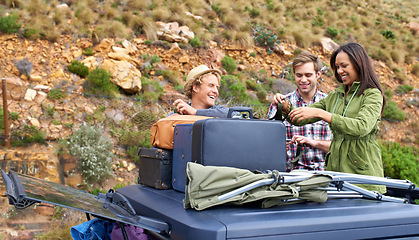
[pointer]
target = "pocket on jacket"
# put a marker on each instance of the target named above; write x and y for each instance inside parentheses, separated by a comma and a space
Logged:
(357, 160)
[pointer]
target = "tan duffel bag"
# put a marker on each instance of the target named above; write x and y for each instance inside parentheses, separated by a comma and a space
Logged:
(162, 130)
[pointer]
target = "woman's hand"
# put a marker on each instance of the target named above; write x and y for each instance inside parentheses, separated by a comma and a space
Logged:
(303, 113)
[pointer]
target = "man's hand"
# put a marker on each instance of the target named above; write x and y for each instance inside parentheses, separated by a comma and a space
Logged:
(279, 98)
(301, 140)
(184, 108)
(323, 145)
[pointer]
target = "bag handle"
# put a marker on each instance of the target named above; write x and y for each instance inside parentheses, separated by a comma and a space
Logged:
(245, 112)
(278, 115)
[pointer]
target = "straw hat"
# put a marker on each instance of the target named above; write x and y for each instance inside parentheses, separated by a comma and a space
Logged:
(195, 73)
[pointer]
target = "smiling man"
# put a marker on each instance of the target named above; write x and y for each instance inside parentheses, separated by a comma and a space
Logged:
(202, 84)
(317, 136)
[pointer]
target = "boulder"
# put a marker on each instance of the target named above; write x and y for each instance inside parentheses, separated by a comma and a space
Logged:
(131, 49)
(124, 74)
(30, 95)
(104, 46)
(279, 49)
(91, 63)
(328, 45)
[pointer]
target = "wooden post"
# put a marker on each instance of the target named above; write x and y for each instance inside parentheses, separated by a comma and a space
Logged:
(5, 114)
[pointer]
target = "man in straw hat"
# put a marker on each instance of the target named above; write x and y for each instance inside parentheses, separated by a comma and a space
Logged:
(201, 88)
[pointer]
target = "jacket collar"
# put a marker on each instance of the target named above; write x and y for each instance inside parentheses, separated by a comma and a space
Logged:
(342, 87)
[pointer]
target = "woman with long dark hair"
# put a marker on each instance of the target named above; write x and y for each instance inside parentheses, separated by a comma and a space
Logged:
(353, 111)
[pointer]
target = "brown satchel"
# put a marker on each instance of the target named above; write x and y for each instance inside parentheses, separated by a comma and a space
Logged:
(162, 130)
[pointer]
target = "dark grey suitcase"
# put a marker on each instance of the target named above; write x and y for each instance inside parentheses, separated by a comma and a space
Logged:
(155, 168)
(246, 143)
(182, 151)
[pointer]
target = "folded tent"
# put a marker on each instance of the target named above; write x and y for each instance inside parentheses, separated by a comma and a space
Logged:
(209, 186)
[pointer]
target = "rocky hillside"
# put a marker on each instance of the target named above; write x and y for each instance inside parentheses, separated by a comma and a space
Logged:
(126, 62)
(125, 59)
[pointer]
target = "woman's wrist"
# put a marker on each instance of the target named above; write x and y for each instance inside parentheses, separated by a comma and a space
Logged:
(287, 109)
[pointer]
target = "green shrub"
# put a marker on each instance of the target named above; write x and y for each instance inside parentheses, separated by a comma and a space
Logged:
(402, 89)
(332, 32)
(9, 24)
(400, 162)
(228, 64)
(28, 135)
(99, 82)
(92, 147)
(78, 68)
(88, 52)
(253, 54)
(254, 12)
(232, 90)
(147, 42)
(258, 88)
(154, 59)
(387, 93)
(30, 33)
(48, 110)
(97, 116)
(297, 51)
(269, 5)
(264, 35)
(56, 94)
(216, 8)
(151, 90)
(392, 112)
(318, 21)
(12, 116)
(195, 42)
(388, 34)
(132, 152)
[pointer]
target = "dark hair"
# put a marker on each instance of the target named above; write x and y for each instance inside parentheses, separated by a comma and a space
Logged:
(306, 57)
(360, 59)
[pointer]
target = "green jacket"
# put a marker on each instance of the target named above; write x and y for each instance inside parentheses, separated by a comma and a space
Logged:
(354, 125)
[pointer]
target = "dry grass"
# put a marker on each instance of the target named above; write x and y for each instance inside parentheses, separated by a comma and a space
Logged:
(146, 25)
(84, 15)
(397, 56)
(137, 5)
(61, 224)
(160, 14)
(110, 12)
(243, 39)
(231, 21)
(115, 29)
(176, 8)
(415, 69)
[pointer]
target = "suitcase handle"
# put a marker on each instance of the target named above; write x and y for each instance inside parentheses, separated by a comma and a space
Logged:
(245, 112)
